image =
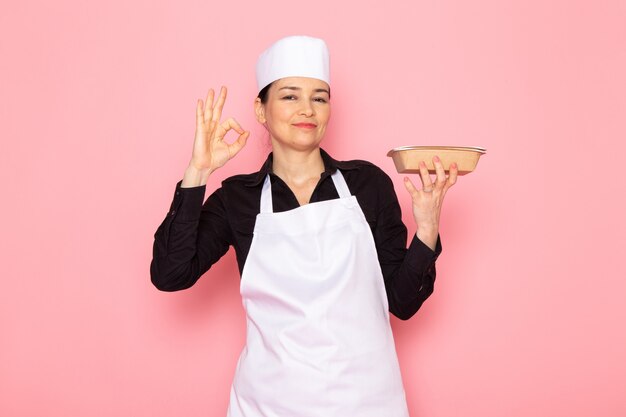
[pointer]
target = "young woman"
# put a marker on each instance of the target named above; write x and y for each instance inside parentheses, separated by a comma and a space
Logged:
(320, 245)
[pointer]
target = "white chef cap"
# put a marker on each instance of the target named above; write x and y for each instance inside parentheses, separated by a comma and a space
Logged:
(293, 56)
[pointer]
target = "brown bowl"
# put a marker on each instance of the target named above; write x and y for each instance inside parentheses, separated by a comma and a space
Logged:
(407, 158)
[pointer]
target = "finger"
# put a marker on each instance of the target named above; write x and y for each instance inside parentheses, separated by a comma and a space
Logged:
(231, 123)
(425, 176)
(208, 105)
(211, 129)
(454, 172)
(441, 173)
(217, 111)
(236, 146)
(408, 184)
(199, 118)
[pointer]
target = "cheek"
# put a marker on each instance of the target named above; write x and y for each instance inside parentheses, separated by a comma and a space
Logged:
(324, 115)
(280, 114)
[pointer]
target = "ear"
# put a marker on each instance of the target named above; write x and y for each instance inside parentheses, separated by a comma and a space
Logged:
(259, 110)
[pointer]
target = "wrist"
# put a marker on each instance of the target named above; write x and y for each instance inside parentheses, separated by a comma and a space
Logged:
(428, 236)
(428, 229)
(195, 177)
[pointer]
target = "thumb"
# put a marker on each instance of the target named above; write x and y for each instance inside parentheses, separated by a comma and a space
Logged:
(408, 184)
(236, 146)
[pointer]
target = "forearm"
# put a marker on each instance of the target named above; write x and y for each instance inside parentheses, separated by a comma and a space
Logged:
(175, 263)
(411, 282)
(409, 273)
(192, 237)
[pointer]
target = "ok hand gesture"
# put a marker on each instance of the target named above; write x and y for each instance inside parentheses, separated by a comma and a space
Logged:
(210, 150)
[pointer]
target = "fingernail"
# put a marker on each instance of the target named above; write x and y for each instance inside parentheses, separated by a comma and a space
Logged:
(436, 158)
(422, 164)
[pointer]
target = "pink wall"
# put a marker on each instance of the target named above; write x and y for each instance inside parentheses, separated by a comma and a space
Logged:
(97, 115)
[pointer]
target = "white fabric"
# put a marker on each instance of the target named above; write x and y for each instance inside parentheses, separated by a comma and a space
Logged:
(293, 56)
(318, 341)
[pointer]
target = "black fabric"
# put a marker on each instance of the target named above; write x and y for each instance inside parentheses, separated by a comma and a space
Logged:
(194, 235)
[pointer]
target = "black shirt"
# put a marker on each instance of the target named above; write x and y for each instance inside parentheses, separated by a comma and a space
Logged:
(193, 235)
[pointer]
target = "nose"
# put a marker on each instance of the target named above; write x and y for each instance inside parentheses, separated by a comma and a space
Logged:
(307, 108)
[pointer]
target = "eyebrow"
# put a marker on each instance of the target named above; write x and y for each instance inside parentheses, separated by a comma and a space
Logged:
(317, 90)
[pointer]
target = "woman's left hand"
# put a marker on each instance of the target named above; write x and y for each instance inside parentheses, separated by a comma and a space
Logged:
(427, 202)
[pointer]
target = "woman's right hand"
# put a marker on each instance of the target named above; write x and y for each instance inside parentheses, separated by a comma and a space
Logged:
(210, 150)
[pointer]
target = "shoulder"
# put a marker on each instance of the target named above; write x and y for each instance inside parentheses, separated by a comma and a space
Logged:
(364, 172)
(241, 194)
(241, 189)
(372, 187)
(371, 184)
(240, 180)
(357, 167)
(238, 200)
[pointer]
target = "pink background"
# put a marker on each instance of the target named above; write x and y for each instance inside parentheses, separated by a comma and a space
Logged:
(97, 121)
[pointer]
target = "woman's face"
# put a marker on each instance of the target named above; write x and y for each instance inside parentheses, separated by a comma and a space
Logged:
(296, 112)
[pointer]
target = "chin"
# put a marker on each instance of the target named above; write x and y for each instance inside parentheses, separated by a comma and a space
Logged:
(305, 145)
(299, 144)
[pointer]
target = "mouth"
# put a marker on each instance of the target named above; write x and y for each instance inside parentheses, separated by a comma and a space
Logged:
(305, 125)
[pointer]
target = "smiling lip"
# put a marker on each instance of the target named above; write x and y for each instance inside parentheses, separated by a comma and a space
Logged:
(305, 125)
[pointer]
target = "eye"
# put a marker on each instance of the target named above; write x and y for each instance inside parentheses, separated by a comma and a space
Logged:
(289, 97)
(320, 99)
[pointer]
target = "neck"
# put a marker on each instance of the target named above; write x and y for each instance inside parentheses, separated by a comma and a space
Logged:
(297, 167)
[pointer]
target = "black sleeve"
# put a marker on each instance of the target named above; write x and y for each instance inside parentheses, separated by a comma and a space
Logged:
(409, 274)
(192, 237)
